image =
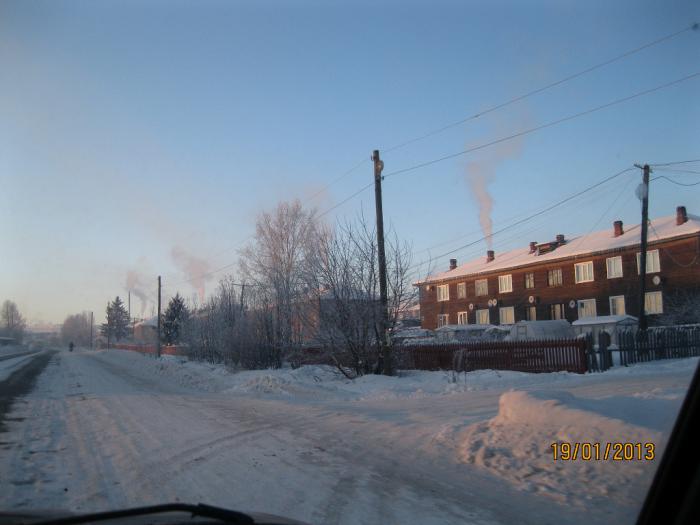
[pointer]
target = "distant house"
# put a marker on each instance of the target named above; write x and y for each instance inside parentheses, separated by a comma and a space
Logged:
(587, 276)
(146, 331)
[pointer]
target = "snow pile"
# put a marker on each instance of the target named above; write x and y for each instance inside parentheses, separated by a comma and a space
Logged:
(516, 444)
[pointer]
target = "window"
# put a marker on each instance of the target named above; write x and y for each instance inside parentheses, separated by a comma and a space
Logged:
(614, 265)
(531, 313)
(653, 303)
(505, 283)
(462, 291)
(443, 292)
(583, 272)
(529, 280)
(481, 287)
(586, 308)
(462, 317)
(554, 277)
(506, 315)
(443, 319)
(556, 311)
(617, 304)
(653, 264)
(482, 317)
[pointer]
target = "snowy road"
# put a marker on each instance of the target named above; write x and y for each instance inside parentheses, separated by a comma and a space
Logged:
(96, 433)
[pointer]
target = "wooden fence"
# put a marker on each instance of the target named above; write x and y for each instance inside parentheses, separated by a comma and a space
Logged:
(550, 355)
(149, 349)
(638, 347)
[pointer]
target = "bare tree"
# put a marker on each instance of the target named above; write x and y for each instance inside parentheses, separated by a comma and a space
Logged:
(76, 329)
(276, 265)
(12, 324)
(349, 308)
(681, 307)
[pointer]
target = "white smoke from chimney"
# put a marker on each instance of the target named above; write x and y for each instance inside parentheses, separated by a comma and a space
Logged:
(482, 171)
(194, 269)
(135, 284)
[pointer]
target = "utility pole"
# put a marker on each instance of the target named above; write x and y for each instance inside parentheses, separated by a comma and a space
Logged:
(643, 247)
(384, 353)
(158, 343)
(92, 322)
(129, 305)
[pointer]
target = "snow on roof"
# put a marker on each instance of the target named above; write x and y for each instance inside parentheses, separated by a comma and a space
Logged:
(559, 328)
(605, 319)
(463, 327)
(595, 242)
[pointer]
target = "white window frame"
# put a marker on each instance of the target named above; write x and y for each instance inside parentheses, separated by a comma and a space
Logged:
(462, 317)
(557, 307)
(443, 319)
(443, 292)
(527, 280)
(531, 313)
(657, 299)
(612, 300)
(480, 314)
(557, 272)
(461, 290)
(582, 304)
(583, 272)
(505, 283)
(481, 282)
(652, 260)
(614, 264)
(509, 312)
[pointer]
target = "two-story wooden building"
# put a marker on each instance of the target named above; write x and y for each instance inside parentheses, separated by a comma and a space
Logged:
(594, 274)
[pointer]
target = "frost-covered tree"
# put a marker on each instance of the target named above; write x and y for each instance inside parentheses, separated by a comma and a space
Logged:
(12, 324)
(174, 319)
(276, 265)
(76, 329)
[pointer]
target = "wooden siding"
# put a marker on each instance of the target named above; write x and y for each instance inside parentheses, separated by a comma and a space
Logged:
(680, 269)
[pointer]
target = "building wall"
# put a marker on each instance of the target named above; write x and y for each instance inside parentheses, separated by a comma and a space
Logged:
(679, 265)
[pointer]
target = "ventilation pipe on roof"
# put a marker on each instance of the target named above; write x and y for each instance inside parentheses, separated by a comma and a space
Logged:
(681, 215)
(453, 264)
(560, 239)
(533, 246)
(490, 256)
(617, 228)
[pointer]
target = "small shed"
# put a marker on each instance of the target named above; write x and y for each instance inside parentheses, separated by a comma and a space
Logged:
(556, 329)
(412, 335)
(610, 324)
(460, 333)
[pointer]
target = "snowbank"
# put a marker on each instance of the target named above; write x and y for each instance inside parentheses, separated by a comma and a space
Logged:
(326, 382)
(516, 444)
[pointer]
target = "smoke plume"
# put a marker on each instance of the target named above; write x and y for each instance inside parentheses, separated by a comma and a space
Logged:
(482, 171)
(194, 269)
(135, 284)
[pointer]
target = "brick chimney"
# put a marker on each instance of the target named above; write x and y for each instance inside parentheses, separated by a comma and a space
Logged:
(490, 256)
(681, 215)
(617, 228)
(533, 246)
(453, 264)
(560, 238)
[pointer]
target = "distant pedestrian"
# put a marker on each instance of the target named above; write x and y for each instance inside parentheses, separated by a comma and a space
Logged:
(70, 346)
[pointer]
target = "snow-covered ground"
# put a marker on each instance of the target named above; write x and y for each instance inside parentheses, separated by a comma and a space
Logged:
(115, 428)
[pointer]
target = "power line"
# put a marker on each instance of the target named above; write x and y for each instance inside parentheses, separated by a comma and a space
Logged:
(676, 182)
(530, 217)
(672, 170)
(541, 89)
(674, 163)
(546, 125)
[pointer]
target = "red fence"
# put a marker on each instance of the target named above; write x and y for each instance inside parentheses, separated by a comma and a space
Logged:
(149, 349)
(551, 355)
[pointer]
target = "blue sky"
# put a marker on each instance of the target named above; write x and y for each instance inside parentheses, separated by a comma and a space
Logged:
(130, 129)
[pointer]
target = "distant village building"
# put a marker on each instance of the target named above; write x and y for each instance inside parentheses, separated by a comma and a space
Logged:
(592, 275)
